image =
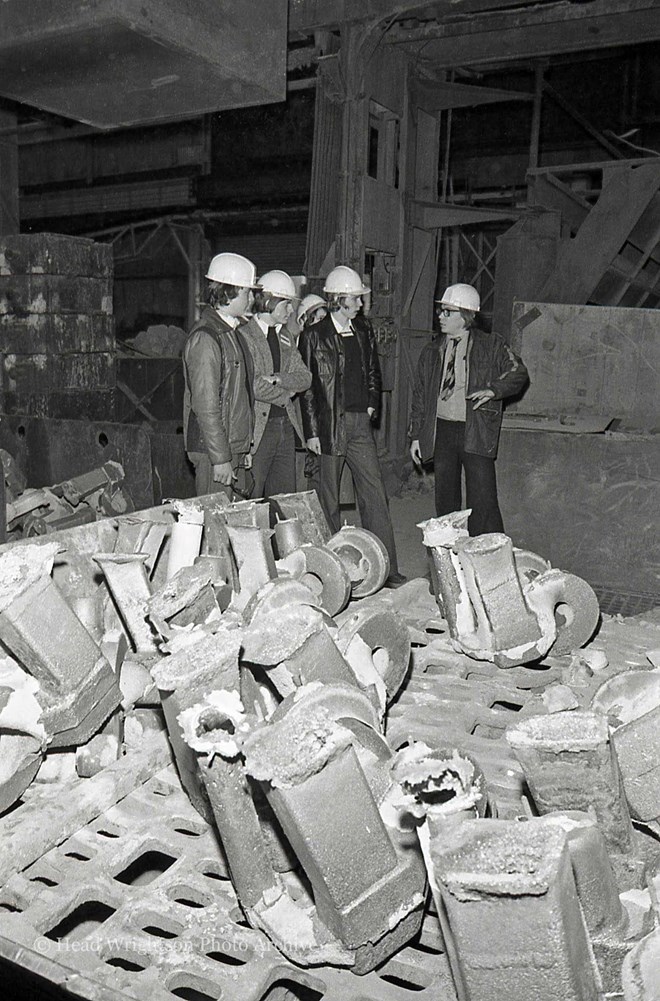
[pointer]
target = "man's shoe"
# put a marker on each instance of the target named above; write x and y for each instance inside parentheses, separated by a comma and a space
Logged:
(395, 580)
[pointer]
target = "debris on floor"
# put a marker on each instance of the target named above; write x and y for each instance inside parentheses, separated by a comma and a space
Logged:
(32, 511)
(234, 761)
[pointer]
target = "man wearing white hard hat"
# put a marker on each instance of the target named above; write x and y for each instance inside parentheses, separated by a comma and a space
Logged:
(456, 415)
(217, 371)
(311, 309)
(339, 408)
(279, 375)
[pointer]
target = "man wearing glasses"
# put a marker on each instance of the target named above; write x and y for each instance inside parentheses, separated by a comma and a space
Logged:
(456, 414)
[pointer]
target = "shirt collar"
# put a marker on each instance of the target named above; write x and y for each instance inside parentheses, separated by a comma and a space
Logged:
(266, 327)
(231, 321)
(341, 329)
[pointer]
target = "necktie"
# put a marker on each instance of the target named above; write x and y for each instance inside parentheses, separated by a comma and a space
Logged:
(274, 346)
(449, 379)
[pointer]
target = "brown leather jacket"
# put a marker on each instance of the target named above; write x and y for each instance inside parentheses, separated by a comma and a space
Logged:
(217, 398)
(322, 406)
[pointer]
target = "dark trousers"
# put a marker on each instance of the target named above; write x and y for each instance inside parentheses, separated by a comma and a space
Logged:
(204, 482)
(449, 457)
(274, 462)
(363, 463)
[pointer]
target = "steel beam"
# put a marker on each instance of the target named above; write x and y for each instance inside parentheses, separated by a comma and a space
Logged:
(525, 33)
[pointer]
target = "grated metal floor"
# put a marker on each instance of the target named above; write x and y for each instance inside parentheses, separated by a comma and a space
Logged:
(614, 602)
(139, 904)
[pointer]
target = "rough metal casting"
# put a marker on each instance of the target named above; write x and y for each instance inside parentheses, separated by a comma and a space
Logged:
(77, 689)
(254, 559)
(387, 638)
(365, 879)
(513, 912)
(305, 507)
(340, 756)
(85, 498)
(501, 610)
(570, 764)
(365, 558)
(127, 581)
(289, 536)
(326, 574)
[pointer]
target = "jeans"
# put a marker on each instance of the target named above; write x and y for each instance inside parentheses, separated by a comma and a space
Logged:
(363, 463)
(274, 462)
(480, 482)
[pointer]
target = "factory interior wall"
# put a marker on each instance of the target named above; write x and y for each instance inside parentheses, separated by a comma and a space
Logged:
(587, 502)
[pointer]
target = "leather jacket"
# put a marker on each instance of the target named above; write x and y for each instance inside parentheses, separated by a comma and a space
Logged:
(217, 398)
(322, 405)
(491, 364)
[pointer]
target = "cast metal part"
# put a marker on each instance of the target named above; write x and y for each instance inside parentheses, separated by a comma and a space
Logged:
(573, 605)
(326, 575)
(306, 508)
(387, 637)
(506, 608)
(279, 593)
(77, 688)
(127, 581)
(513, 911)
(365, 884)
(248, 514)
(254, 560)
(365, 558)
(289, 536)
(183, 679)
(570, 764)
(21, 756)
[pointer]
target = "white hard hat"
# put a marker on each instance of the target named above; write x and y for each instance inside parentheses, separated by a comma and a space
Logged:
(461, 297)
(308, 303)
(232, 269)
(345, 281)
(278, 283)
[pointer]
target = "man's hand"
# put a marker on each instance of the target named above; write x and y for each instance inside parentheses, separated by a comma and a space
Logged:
(372, 412)
(247, 464)
(223, 473)
(480, 396)
(415, 453)
(314, 445)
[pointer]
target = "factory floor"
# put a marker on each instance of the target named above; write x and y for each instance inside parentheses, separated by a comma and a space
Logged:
(46, 981)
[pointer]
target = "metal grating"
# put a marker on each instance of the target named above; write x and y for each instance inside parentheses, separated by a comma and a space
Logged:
(628, 603)
(139, 904)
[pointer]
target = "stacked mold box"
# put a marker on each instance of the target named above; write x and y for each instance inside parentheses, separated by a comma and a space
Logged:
(57, 337)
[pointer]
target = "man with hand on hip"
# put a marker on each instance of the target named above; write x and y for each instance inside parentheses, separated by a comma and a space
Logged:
(456, 415)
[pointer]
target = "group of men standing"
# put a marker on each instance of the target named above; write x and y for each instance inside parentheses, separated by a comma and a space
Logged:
(250, 389)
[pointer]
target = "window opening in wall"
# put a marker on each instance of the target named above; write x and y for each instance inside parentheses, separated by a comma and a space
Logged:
(383, 140)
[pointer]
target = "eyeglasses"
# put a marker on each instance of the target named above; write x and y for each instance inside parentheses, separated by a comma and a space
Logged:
(443, 311)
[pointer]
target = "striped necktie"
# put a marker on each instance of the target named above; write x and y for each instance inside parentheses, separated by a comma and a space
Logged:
(449, 378)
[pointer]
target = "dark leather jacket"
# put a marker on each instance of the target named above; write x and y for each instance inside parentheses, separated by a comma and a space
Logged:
(322, 405)
(217, 398)
(491, 364)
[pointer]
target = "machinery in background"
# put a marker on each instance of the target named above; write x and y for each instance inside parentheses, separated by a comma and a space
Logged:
(28, 512)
